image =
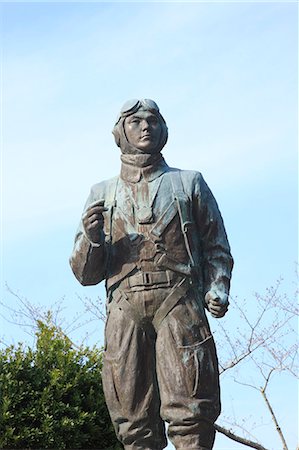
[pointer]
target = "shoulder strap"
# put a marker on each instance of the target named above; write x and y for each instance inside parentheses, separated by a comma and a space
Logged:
(184, 205)
(111, 191)
(110, 201)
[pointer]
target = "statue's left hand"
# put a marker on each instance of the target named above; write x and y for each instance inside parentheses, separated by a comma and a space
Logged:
(217, 303)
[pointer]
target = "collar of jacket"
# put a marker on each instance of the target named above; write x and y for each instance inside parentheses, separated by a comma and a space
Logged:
(134, 167)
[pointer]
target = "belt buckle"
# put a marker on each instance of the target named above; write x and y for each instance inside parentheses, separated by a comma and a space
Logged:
(147, 279)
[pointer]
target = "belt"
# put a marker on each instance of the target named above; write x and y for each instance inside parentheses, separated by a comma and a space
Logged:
(177, 292)
(165, 277)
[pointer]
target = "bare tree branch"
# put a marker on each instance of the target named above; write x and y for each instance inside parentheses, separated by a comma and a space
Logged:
(235, 437)
(278, 429)
(266, 341)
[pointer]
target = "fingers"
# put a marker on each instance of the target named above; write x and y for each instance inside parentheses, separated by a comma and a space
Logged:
(93, 215)
(94, 222)
(212, 296)
(217, 304)
(217, 309)
(94, 209)
(95, 218)
(92, 219)
(97, 203)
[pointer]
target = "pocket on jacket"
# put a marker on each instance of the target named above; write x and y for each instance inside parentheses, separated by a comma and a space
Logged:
(200, 367)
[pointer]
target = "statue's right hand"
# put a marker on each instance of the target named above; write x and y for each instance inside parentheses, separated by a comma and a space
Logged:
(93, 221)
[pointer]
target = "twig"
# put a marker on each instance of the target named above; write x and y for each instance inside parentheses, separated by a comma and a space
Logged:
(235, 437)
(263, 392)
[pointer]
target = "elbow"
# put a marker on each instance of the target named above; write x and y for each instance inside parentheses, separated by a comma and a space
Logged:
(77, 271)
(88, 282)
(81, 275)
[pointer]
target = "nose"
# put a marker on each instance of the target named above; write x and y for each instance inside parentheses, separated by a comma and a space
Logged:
(144, 125)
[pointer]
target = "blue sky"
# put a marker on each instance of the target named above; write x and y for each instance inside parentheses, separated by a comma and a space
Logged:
(225, 77)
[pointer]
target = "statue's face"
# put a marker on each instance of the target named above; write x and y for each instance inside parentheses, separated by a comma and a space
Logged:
(143, 130)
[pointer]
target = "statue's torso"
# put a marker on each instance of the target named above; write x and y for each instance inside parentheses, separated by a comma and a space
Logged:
(142, 224)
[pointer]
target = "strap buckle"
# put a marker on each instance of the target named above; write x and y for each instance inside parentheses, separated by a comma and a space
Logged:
(147, 278)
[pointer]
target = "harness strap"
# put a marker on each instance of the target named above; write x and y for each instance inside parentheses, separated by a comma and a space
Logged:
(164, 220)
(181, 199)
(111, 202)
(177, 292)
(165, 262)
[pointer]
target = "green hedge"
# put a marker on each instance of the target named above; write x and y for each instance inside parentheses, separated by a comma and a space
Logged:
(51, 396)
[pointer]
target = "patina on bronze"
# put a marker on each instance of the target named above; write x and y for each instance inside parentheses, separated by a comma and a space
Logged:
(156, 236)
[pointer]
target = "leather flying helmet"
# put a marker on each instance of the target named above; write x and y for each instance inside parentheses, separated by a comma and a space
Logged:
(129, 108)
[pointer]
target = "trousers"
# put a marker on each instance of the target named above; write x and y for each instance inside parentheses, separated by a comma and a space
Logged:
(170, 374)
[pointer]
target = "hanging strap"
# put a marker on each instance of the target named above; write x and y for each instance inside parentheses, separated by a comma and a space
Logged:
(177, 293)
(183, 204)
(110, 201)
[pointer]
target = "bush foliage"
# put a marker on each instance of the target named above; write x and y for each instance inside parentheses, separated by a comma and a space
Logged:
(51, 396)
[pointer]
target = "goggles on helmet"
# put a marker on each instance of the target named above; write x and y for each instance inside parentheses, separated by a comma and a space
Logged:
(131, 106)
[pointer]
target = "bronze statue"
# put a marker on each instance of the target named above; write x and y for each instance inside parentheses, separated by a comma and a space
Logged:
(156, 236)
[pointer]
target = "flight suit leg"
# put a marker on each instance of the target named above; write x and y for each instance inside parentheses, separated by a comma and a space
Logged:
(130, 384)
(188, 377)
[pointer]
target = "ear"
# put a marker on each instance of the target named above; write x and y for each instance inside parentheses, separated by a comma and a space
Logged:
(116, 135)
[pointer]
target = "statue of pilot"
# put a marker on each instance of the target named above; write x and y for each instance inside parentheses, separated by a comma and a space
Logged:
(156, 236)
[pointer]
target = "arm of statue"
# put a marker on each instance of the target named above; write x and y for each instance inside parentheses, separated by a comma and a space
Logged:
(217, 262)
(88, 260)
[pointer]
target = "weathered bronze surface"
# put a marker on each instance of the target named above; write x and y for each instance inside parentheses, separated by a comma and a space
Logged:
(156, 236)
